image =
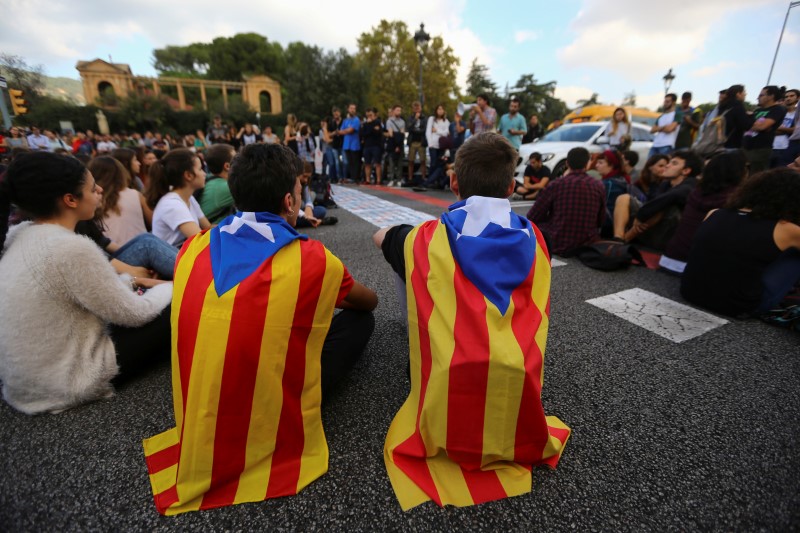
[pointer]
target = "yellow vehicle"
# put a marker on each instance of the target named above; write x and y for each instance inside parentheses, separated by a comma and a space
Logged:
(596, 113)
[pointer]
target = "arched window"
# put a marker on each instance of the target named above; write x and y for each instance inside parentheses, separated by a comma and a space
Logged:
(265, 102)
(105, 88)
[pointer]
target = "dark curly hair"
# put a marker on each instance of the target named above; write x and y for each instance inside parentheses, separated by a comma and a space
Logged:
(770, 195)
(723, 171)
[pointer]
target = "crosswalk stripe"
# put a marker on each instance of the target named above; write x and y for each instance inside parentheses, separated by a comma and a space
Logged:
(376, 211)
(662, 316)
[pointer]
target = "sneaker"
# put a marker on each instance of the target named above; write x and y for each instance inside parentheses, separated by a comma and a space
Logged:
(329, 221)
(516, 197)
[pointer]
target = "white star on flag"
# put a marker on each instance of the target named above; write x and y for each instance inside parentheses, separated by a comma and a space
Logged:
(480, 213)
(249, 219)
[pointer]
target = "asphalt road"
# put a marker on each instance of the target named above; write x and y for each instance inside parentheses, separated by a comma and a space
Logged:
(697, 435)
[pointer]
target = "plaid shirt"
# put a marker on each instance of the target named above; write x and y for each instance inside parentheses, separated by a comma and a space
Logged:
(570, 211)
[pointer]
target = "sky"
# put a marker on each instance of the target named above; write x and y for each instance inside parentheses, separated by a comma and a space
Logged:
(611, 47)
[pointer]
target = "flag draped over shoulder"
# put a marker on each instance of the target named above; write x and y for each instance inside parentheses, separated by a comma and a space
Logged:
(252, 304)
(478, 286)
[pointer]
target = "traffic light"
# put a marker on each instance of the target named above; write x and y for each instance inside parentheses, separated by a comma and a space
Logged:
(18, 102)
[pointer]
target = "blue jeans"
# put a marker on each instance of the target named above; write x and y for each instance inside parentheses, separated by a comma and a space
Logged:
(337, 160)
(659, 150)
(779, 278)
(147, 250)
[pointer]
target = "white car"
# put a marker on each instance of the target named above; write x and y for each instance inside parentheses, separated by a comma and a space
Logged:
(556, 143)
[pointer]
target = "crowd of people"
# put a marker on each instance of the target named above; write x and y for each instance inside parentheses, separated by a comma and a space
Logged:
(121, 250)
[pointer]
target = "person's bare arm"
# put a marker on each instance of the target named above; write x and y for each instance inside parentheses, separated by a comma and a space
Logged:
(204, 223)
(190, 229)
(380, 235)
(146, 211)
(787, 235)
(360, 298)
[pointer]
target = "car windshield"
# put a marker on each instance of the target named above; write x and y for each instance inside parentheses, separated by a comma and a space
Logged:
(579, 133)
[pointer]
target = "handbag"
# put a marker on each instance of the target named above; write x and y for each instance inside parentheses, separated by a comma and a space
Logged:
(609, 255)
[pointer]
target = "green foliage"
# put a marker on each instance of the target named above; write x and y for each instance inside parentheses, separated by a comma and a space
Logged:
(592, 100)
(182, 61)
(538, 98)
(390, 60)
(479, 82)
(49, 112)
(629, 100)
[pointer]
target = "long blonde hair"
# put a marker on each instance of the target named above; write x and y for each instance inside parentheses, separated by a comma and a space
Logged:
(615, 122)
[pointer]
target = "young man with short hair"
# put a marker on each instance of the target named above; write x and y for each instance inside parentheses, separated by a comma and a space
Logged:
(477, 286)
(571, 210)
(512, 124)
(416, 124)
(395, 133)
(215, 198)
(666, 127)
(256, 348)
(692, 119)
(536, 178)
(653, 223)
(482, 115)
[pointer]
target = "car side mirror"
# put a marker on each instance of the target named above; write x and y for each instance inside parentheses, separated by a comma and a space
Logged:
(603, 139)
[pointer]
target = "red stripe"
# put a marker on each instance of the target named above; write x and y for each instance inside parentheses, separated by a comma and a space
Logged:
(242, 356)
(191, 309)
(409, 456)
(469, 376)
(484, 486)
(413, 196)
(163, 459)
(165, 499)
(290, 437)
(531, 433)
(651, 259)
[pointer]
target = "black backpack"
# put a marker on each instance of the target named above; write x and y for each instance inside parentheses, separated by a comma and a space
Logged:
(609, 255)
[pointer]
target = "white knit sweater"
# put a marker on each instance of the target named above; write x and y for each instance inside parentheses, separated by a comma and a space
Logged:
(57, 292)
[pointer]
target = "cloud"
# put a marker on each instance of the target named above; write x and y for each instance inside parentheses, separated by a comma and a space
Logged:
(59, 33)
(522, 36)
(636, 40)
(712, 70)
(790, 37)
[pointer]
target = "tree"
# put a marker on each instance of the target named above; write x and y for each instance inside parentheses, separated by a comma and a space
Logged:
(182, 61)
(388, 56)
(538, 98)
(20, 75)
(479, 82)
(629, 100)
(592, 100)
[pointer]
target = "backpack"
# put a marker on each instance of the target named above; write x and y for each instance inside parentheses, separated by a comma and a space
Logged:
(609, 255)
(712, 140)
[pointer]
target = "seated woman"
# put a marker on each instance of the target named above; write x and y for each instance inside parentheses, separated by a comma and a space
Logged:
(173, 179)
(720, 178)
(653, 171)
(70, 323)
(745, 258)
(310, 215)
(124, 210)
(130, 162)
(616, 183)
(257, 299)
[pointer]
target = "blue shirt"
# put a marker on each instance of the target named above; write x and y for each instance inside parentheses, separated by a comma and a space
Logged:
(351, 140)
(515, 123)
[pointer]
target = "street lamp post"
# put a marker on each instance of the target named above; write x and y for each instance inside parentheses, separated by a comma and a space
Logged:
(775, 57)
(258, 118)
(421, 39)
(668, 77)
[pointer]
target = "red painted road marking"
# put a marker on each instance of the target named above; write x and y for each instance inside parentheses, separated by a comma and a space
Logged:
(412, 195)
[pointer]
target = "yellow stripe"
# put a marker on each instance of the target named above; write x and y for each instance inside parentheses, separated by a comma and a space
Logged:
(555, 446)
(449, 481)
(314, 462)
(197, 449)
(403, 426)
(433, 423)
(540, 294)
(163, 480)
(504, 387)
(182, 271)
(159, 442)
(267, 396)
(515, 479)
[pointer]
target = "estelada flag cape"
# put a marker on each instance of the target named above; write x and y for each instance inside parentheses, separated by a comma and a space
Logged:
(253, 301)
(478, 286)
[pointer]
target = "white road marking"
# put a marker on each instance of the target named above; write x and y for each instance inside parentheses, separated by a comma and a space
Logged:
(376, 211)
(671, 320)
(556, 262)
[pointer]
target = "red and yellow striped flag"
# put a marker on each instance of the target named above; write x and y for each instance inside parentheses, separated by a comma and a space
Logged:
(246, 379)
(473, 426)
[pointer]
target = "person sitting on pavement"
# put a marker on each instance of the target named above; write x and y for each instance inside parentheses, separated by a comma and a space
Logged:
(651, 175)
(571, 210)
(653, 223)
(721, 176)
(173, 180)
(215, 198)
(70, 323)
(616, 183)
(745, 257)
(472, 277)
(629, 161)
(310, 215)
(536, 178)
(257, 348)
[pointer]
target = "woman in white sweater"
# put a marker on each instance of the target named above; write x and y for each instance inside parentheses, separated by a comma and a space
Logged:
(438, 127)
(68, 322)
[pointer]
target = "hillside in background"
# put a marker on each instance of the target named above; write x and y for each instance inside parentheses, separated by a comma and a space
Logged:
(64, 88)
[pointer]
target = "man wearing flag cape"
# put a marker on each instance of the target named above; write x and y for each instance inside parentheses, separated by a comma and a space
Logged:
(477, 286)
(255, 347)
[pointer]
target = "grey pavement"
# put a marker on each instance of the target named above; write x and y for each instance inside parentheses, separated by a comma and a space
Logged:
(697, 435)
